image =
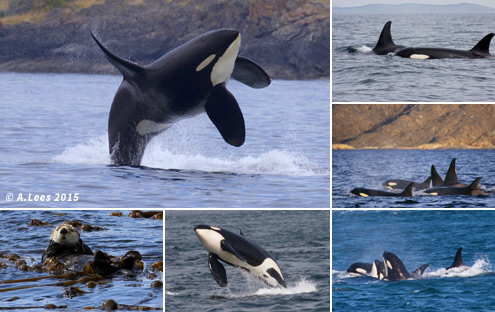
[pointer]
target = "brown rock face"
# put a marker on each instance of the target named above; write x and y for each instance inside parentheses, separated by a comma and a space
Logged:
(289, 38)
(414, 126)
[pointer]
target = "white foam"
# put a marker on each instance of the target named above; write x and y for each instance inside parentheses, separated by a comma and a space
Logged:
(364, 49)
(275, 162)
(480, 267)
(300, 287)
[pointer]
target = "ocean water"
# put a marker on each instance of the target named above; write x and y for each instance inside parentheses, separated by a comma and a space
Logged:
(298, 240)
(54, 144)
(417, 238)
(361, 76)
(370, 168)
(122, 234)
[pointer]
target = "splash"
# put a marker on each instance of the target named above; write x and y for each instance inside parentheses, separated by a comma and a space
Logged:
(300, 287)
(480, 267)
(274, 162)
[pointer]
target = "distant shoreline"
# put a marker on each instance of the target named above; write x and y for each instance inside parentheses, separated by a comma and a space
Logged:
(420, 147)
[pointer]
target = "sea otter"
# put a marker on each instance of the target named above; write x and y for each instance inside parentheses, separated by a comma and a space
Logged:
(65, 240)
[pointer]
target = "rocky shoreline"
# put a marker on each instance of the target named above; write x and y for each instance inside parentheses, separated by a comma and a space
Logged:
(289, 38)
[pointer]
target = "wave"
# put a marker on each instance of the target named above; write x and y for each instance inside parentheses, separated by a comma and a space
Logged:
(274, 162)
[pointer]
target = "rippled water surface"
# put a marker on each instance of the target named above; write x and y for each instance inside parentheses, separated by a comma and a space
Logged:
(298, 240)
(122, 234)
(360, 75)
(54, 141)
(417, 238)
(370, 168)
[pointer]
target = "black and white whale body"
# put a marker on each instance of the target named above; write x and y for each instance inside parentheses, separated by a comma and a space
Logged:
(398, 184)
(187, 81)
(386, 45)
(359, 268)
(364, 192)
(378, 270)
(451, 184)
(472, 189)
(458, 263)
(237, 251)
(395, 269)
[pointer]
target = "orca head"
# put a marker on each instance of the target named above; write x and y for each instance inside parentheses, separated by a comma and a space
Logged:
(394, 268)
(271, 273)
(210, 237)
(359, 268)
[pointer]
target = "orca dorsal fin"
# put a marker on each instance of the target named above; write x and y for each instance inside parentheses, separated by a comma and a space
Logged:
(426, 183)
(408, 190)
(127, 68)
(242, 234)
(435, 177)
(475, 184)
(457, 259)
(385, 43)
(483, 46)
(451, 177)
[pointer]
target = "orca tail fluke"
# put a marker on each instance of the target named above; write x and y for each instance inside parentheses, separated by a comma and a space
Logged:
(127, 68)
(457, 260)
(419, 271)
(483, 46)
(408, 191)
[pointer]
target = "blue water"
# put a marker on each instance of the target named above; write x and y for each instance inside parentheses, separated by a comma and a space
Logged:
(298, 240)
(359, 75)
(370, 168)
(54, 141)
(417, 237)
(122, 234)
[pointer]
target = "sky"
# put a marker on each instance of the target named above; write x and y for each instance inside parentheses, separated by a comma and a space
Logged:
(349, 3)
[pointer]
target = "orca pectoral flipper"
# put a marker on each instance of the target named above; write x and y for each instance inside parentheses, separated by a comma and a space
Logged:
(224, 112)
(217, 270)
(250, 73)
(226, 246)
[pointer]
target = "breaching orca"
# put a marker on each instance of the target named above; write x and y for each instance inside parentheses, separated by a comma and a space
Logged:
(364, 192)
(359, 268)
(186, 81)
(395, 269)
(385, 45)
(398, 184)
(237, 251)
(458, 263)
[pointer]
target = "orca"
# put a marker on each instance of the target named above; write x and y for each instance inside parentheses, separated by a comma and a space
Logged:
(480, 50)
(186, 81)
(364, 192)
(238, 251)
(396, 271)
(386, 45)
(359, 268)
(436, 179)
(398, 184)
(472, 189)
(378, 270)
(458, 263)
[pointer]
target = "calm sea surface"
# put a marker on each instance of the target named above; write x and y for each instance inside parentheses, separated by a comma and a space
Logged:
(54, 141)
(298, 240)
(417, 238)
(370, 168)
(360, 75)
(122, 234)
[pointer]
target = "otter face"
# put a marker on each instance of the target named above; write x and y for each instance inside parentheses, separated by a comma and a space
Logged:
(65, 234)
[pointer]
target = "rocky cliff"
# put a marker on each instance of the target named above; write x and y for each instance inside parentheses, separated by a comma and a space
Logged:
(427, 126)
(289, 38)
